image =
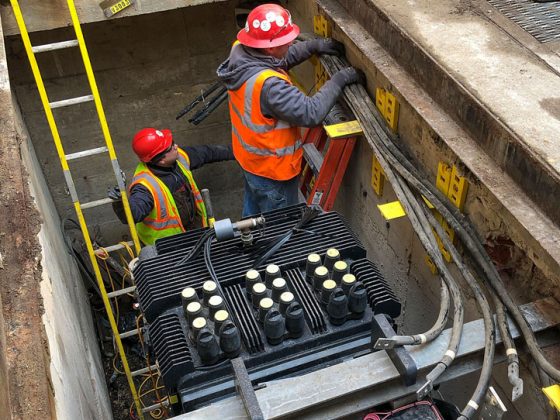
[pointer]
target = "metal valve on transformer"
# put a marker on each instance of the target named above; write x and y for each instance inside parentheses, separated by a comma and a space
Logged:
(225, 229)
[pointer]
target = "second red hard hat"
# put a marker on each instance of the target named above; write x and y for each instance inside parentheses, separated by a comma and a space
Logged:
(149, 142)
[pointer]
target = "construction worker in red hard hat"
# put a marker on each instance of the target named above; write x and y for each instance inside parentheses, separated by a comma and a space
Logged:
(266, 109)
(163, 195)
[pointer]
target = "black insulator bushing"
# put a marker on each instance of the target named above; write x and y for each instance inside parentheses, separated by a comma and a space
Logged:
(274, 327)
(337, 307)
(295, 321)
(207, 347)
(357, 298)
(230, 340)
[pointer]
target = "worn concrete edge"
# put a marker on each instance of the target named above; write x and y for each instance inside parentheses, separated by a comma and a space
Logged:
(532, 221)
(28, 398)
(508, 150)
(47, 16)
(290, 397)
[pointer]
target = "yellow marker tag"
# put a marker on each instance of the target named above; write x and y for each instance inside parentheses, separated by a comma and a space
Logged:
(112, 9)
(553, 394)
(345, 129)
(392, 210)
(173, 399)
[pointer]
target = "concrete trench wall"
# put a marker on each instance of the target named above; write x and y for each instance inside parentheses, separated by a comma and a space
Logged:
(148, 68)
(76, 374)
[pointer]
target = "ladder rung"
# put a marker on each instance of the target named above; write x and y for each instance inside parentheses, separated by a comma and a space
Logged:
(313, 157)
(85, 153)
(127, 334)
(144, 370)
(96, 203)
(55, 46)
(121, 292)
(72, 101)
(112, 248)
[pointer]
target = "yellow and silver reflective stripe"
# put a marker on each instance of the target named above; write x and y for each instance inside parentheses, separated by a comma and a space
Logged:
(161, 225)
(280, 152)
(155, 188)
(183, 161)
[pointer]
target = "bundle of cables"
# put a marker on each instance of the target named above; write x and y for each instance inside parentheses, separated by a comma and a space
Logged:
(410, 186)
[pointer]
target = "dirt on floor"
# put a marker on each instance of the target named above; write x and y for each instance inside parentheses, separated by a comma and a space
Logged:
(24, 356)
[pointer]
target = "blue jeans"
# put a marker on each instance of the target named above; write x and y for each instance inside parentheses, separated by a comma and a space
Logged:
(264, 194)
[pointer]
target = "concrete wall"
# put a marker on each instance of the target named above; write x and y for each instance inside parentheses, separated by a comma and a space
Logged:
(76, 374)
(147, 68)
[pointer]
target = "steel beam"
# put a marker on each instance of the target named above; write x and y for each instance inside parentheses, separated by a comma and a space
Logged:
(370, 380)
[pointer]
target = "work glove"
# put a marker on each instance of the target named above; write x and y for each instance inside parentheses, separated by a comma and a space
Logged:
(114, 193)
(328, 46)
(348, 76)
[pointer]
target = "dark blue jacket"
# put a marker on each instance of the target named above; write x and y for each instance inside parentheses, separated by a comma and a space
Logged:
(142, 202)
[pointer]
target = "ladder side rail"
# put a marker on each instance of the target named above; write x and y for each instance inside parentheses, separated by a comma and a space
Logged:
(60, 150)
(312, 135)
(103, 123)
(324, 180)
(340, 171)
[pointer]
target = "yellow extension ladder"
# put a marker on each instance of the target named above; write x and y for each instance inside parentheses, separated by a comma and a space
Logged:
(64, 158)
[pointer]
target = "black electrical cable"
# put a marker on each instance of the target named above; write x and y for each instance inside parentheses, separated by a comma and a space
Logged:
(461, 225)
(77, 257)
(471, 241)
(509, 348)
(431, 334)
(481, 300)
(199, 98)
(355, 94)
(489, 329)
(308, 214)
(198, 246)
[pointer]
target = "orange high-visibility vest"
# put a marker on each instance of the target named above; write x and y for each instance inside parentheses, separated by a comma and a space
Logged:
(164, 219)
(263, 146)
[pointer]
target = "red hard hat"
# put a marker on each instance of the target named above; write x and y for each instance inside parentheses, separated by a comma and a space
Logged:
(149, 142)
(267, 26)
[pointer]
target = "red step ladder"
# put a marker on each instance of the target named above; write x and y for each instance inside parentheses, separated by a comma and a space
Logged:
(327, 150)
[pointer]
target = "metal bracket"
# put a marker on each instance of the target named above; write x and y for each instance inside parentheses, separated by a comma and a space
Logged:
(493, 407)
(403, 361)
(245, 389)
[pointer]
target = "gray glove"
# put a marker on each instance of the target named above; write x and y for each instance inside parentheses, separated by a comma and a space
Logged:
(348, 76)
(114, 193)
(328, 46)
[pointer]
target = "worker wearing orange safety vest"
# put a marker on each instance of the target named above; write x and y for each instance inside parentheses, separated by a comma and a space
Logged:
(266, 109)
(163, 195)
